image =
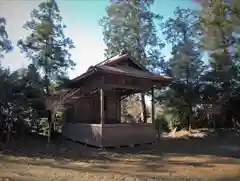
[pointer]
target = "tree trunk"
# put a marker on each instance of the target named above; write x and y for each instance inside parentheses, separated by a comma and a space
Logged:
(124, 111)
(190, 117)
(50, 125)
(189, 123)
(144, 109)
(158, 132)
(9, 132)
(214, 124)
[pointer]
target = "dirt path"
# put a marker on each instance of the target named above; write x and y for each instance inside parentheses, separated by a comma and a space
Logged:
(213, 158)
(131, 167)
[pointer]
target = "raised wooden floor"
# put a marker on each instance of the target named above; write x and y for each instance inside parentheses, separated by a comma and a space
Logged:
(110, 135)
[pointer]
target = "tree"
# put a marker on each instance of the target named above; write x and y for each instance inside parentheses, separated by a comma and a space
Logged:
(130, 25)
(12, 102)
(185, 65)
(5, 46)
(131, 109)
(32, 89)
(219, 21)
(5, 43)
(47, 47)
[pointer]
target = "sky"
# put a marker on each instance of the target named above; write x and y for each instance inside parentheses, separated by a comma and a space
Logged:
(82, 20)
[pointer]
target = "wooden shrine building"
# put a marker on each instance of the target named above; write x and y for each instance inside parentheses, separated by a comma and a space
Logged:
(94, 117)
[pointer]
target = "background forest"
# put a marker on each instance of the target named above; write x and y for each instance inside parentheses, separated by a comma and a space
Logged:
(204, 65)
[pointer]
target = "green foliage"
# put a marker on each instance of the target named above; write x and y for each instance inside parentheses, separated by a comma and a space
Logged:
(219, 22)
(5, 43)
(48, 49)
(46, 46)
(197, 86)
(185, 65)
(20, 101)
(131, 25)
(200, 94)
(162, 123)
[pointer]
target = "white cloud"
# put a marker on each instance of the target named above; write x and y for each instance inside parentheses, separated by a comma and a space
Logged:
(89, 45)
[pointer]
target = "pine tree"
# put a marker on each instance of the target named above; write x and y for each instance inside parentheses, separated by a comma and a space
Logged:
(130, 25)
(5, 47)
(47, 47)
(185, 65)
(5, 43)
(218, 38)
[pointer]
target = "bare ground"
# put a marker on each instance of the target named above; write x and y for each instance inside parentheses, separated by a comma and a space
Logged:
(209, 158)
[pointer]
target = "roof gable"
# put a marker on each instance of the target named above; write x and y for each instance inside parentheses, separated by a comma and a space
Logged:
(122, 59)
(122, 63)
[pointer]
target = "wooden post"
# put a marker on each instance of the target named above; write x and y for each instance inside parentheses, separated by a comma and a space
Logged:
(155, 124)
(102, 112)
(101, 107)
(153, 108)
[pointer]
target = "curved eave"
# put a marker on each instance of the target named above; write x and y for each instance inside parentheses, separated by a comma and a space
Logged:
(161, 78)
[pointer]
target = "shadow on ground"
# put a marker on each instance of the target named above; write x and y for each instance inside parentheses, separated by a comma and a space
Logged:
(223, 145)
(166, 158)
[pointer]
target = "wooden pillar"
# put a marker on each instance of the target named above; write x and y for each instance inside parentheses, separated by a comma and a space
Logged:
(153, 107)
(119, 102)
(102, 112)
(102, 107)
